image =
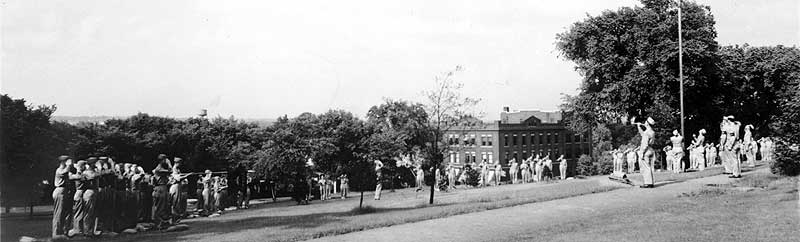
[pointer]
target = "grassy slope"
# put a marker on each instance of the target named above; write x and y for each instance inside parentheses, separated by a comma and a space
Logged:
(760, 207)
(291, 223)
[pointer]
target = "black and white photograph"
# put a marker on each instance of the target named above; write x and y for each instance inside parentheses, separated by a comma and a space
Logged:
(418, 120)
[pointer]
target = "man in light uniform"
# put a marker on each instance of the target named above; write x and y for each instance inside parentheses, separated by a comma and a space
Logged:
(749, 145)
(378, 186)
(161, 207)
(677, 152)
(630, 155)
(512, 171)
(62, 197)
(645, 153)
(526, 172)
(698, 145)
(562, 167)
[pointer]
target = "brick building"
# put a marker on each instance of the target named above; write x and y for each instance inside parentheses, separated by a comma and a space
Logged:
(517, 134)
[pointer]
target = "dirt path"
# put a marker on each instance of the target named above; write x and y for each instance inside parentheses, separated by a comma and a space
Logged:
(502, 224)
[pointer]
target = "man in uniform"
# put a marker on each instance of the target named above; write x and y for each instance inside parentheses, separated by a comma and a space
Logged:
(630, 155)
(62, 196)
(378, 186)
(645, 153)
(562, 167)
(512, 171)
(177, 200)
(161, 208)
(677, 152)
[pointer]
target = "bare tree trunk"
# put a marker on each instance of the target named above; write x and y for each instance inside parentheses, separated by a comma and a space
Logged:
(360, 203)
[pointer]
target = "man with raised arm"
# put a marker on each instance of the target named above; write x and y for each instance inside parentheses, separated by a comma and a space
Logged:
(378, 186)
(645, 152)
(62, 197)
(677, 152)
(512, 171)
(562, 167)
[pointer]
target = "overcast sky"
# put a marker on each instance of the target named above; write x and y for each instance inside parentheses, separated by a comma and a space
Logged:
(263, 59)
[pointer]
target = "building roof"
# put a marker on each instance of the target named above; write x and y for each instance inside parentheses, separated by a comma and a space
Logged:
(524, 116)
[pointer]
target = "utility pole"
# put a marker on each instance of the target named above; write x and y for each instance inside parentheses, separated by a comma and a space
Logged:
(680, 64)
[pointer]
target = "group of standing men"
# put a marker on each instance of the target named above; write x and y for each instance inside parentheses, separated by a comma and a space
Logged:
(536, 169)
(701, 155)
(97, 194)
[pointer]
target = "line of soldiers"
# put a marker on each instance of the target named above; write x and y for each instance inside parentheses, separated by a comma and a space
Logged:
(730, 150)
(96, 195)
(536, 169)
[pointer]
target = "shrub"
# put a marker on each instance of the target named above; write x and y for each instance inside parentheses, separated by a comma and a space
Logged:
(585, 166)
(787, 160)
(473, 177)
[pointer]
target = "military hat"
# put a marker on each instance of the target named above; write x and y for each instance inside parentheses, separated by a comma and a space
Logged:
(63, 158)
(178, 159)
(162, 156)
(91, 159)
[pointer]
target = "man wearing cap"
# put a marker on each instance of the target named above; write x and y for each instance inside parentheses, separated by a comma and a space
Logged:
(698, 150)
(62, 197)
(378, 186)
(677, 152)
(175, 191)
(645, 153)
(161, 208)
(749, 145)
(79, 208)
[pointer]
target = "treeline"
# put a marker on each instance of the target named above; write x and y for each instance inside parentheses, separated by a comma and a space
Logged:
(336, 141)
(629, 61)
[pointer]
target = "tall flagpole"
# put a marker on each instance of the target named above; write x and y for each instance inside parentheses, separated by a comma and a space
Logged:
(680, 63)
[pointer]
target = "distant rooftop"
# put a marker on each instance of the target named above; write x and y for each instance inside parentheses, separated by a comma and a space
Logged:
(520, 116)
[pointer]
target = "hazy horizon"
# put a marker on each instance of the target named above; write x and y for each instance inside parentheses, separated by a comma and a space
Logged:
(263, 60)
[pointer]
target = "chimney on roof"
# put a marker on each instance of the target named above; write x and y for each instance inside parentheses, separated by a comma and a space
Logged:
(506, 109)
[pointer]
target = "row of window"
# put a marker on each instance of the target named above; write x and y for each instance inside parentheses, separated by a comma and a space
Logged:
(471, 156)
(541, 138)
(469, 140)
(511, 140)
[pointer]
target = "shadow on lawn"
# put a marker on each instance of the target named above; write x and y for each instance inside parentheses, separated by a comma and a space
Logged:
(233, 225)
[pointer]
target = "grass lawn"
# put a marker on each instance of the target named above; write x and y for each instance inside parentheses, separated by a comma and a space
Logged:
(758, 207)
(283, 222)
(669, 176)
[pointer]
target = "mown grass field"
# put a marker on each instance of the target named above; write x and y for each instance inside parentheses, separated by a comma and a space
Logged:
(289, 222)
(758, 207)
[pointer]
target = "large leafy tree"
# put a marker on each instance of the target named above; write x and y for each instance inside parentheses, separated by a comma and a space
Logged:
(755, 81)
(629, 62)
(397, 128)
(447, 108)
(28, 149)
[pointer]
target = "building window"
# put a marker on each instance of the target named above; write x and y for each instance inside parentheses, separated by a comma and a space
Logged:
(507, 158)
(458, 157)
(515, 140)
(483, 140)
(524, 139)
(472, 140)
(515, 156)
(491, 157)
(505, 140)
(452, 157)
(474, 156)
(556, 139)
(541, 138)
(524, 154)
(569, 138)
(489, 140)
